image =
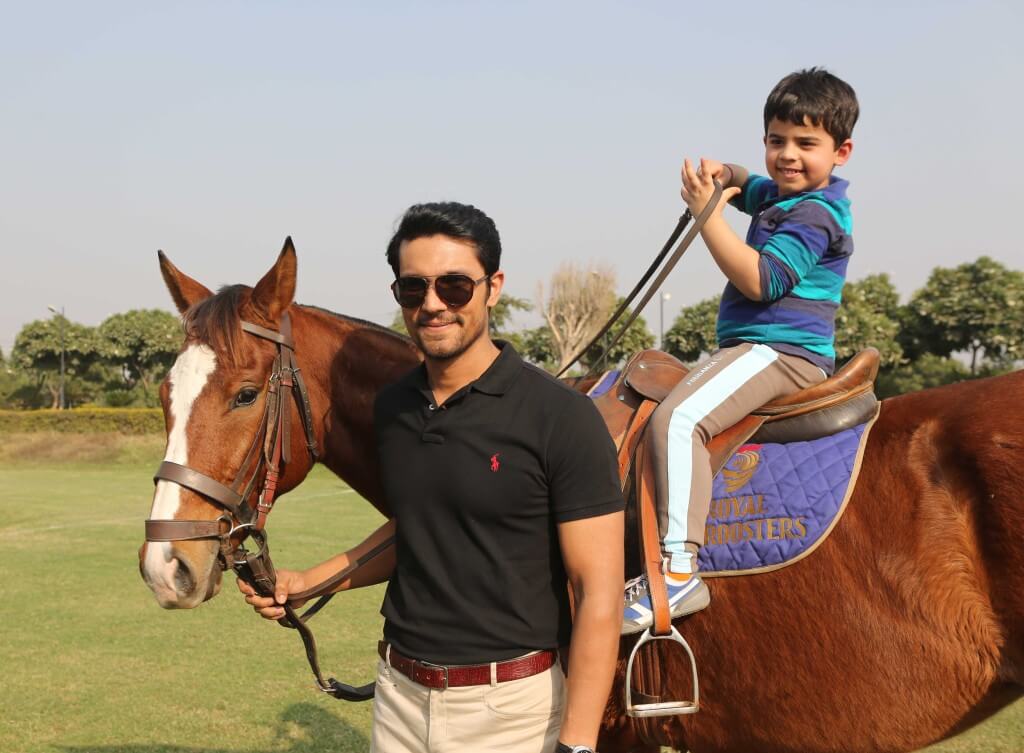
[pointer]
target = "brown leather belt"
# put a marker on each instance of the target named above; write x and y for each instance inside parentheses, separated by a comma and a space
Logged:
(460, 675)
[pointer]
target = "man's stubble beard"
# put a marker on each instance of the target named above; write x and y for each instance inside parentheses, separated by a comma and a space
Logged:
(450, 351)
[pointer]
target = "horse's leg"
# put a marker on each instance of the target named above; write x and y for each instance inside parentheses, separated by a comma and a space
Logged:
(618, 735)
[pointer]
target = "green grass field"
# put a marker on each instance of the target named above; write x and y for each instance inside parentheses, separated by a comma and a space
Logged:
(90, 663)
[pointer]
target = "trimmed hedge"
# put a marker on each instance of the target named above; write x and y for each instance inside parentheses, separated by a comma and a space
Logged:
(83, 421)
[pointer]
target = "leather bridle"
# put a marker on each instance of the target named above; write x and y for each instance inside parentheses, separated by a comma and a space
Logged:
(269, 452)
(270, 449)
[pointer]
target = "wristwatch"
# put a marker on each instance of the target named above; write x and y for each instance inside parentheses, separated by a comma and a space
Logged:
(563, 748)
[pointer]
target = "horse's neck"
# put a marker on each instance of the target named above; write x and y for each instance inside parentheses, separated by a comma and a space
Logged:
(346, 363)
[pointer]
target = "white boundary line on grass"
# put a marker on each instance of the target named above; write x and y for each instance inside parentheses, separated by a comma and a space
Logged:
(15, 532)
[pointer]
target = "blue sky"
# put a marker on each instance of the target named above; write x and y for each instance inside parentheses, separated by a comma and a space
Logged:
(213, 130)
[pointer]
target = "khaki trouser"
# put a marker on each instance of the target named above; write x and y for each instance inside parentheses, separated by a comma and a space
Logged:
(715, 394)
(519, 716)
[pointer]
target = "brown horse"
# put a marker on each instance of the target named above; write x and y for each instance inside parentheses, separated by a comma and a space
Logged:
(905, 626)
(214, 398)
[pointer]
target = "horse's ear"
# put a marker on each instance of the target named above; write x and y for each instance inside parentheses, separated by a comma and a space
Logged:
(275, 292)
(185, 291)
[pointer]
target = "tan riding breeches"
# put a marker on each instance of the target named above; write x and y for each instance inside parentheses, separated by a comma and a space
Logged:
(713, 396)
(519, 716)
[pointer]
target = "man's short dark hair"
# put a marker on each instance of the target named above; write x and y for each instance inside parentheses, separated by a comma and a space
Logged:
(453, 219)
(815, 94)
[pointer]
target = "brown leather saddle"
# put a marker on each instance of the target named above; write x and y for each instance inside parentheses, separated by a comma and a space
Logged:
(840, 402)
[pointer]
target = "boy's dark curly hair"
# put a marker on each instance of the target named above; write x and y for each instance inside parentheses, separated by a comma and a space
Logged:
(815, 94)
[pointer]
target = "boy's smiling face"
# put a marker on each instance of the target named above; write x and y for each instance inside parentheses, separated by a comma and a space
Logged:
(801, 157)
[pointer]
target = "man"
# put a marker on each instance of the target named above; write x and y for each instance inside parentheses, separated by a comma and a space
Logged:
(503, 486)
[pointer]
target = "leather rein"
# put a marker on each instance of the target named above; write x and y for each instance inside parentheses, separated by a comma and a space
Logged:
(684, 220)
(270, 451)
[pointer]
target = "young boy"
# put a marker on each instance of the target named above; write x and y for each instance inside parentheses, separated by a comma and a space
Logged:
(776, 319)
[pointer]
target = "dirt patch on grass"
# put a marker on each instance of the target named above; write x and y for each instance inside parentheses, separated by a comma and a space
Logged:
(54, 447)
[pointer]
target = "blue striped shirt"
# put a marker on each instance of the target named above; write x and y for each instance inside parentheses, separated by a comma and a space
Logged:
(805, 243)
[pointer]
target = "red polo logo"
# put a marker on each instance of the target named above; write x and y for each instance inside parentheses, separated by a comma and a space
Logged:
(495, 465)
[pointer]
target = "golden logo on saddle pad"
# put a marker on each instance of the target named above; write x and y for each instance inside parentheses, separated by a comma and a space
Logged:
(744, 464)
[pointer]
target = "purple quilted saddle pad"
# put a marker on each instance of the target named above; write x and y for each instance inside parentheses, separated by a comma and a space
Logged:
(604, 384)
(773, 503)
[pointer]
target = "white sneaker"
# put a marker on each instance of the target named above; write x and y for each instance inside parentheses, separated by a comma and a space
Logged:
(683, 598)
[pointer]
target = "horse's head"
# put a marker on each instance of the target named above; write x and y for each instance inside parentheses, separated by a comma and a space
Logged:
(221, 402)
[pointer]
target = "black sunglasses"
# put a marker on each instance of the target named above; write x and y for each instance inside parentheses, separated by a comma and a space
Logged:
(452, 289)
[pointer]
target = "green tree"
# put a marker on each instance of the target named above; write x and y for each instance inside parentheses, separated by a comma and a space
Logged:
(37, 352)
(977, 308)
(142, 344)
(538, 347)
(17, 390)
(869, 316)
(10, 382)
(692, 334)
(398, 323)
(637, 338)
(929, 370)
(502, 313)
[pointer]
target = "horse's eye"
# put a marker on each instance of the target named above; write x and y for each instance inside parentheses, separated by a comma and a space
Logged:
(247, 396)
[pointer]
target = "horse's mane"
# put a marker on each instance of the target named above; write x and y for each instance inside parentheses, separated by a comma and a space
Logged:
(360, 322)
(216, 322)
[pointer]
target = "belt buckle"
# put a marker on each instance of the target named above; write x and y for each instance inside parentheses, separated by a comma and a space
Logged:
(444, 672)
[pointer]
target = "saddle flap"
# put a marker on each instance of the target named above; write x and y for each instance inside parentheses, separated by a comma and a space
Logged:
(653, 374)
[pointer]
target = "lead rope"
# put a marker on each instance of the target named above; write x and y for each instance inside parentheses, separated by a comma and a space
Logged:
(258, 571)
(332, 686)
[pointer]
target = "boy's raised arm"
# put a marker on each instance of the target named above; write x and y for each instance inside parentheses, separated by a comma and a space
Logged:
(738, 261)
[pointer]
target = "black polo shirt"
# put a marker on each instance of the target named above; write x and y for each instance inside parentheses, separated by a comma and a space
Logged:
(477, 486)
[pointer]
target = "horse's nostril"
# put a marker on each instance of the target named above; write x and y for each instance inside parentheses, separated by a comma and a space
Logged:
(184, 583)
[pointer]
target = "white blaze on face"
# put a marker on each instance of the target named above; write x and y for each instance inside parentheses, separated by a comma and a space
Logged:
(187, 378)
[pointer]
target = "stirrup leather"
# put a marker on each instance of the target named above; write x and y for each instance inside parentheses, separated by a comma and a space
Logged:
(662, 627)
